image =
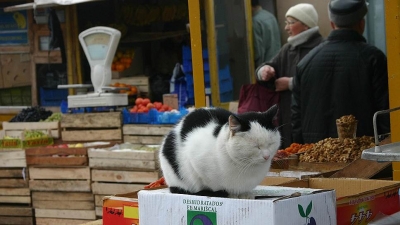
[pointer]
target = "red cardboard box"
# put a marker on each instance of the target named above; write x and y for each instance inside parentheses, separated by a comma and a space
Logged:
(358, 200)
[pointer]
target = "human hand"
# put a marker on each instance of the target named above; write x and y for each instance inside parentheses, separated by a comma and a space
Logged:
(282, 84)
(267, 72)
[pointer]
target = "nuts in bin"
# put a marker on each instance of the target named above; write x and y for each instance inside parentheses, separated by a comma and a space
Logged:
(336, 150)
(346, 127)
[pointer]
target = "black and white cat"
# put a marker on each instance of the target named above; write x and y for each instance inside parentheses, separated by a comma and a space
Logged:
(214, 152)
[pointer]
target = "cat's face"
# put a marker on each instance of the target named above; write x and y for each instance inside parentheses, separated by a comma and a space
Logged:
(257, 145)
(254, 138)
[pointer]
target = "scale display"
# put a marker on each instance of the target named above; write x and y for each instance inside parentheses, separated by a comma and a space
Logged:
(97, 45)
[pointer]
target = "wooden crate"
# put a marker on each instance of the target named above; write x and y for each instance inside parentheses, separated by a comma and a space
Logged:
(60, 179)
(61, 195)
(63, 201)
(125, 160)
(16, 215)
(146, 134)
(56, 157)
(141, 82)
(105, 126)
(14, 186)
(57, 221)
(14, 129)
(119, 172)
(15, 197)
(12, 159)
(65, 214)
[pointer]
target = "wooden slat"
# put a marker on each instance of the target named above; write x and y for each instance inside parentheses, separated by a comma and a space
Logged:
(124, 176)
(98, 200)
(14, 173)
(16, 211)
(132, 154)
(16, 199)
(59, 173)
(60, 185)
(144, 140)
(362, 168)
(15, 133)
(121, 163)
(54, 221)
(15, 191)
(134, 80)
(92, 135)
(63, 204)
(145, 129)
(55, 151)
(30, 126)
(66, 214)
(114, 188)
(13, 154)
(99, 211)
(45, 156)
(15, 129)
(61, 196)
(15, 183)
(92, 120)
(13, 163)
(56, 161)
(15, 220)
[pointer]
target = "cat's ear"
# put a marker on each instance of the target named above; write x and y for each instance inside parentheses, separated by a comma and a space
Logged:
(272, 113)
(234, 124)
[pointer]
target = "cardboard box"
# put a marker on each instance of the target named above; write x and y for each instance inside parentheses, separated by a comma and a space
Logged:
(358, 200)
(171, 100)
(123, 209)
(16, 70)
(278, 206)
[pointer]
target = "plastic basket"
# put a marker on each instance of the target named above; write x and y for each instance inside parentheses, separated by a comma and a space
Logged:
(52, 97)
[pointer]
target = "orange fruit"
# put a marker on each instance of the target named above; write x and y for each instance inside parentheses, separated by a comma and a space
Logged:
(134, 90)
(150, 105)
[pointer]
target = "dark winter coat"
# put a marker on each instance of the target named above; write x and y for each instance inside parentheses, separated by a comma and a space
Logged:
(342, 76)
(285, 66)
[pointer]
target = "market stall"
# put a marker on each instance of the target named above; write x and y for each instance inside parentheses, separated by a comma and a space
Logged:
(86, 175)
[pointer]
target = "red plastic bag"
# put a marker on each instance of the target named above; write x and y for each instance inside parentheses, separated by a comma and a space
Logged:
(256, 98)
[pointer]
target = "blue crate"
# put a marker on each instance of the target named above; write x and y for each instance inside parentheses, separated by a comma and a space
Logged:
(188, 66)
(153, 117)
(225, 85)
(224, 73)
(226, 97)
(139, 118)
(187, 53)
(52, 97)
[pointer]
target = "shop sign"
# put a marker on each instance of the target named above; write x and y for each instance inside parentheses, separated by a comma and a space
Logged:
(13, 28)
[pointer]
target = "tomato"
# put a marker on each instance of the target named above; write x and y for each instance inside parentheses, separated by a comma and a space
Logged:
(139, 101)
(146, 101)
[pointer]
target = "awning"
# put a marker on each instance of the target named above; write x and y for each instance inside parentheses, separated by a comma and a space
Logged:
(44, 4)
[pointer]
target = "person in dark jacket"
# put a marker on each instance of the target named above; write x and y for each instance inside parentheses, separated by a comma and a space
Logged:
(266, 35)
(342, 76)
(302, 27)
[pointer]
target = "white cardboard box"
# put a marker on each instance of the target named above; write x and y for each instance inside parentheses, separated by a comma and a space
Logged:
(162, 207)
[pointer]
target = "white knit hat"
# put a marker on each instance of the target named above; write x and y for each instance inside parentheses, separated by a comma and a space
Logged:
(305, 13)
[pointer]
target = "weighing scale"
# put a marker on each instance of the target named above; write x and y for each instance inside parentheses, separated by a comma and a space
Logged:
(382, 153)
(99, 44)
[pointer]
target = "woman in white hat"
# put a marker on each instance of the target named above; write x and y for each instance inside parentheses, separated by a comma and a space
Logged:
(302, 26)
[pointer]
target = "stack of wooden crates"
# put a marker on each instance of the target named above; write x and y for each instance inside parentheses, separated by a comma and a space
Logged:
(15, 193)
